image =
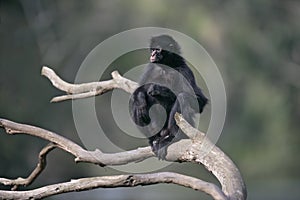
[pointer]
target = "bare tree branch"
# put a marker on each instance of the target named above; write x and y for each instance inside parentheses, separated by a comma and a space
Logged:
(131, 180)
(84, 90)
(81, 155)
(15, 128)
(214, 160)
(186, 150)
(34, 174)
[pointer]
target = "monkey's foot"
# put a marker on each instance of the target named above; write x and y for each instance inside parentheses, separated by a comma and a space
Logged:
(159, 146)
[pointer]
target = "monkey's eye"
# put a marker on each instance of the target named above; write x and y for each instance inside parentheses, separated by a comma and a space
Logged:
(158, 50)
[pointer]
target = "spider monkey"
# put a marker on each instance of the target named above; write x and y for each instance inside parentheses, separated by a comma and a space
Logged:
(169, 82)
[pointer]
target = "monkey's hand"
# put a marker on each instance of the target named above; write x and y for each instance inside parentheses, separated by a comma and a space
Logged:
(139, 110)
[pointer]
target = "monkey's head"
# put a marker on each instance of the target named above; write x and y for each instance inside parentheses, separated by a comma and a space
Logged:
(163, 49)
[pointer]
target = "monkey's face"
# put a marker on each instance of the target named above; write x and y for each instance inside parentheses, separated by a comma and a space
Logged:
(163, 48)
(156, 55)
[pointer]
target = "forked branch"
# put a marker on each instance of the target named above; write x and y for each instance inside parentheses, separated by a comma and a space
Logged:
(15, 183)
(102, 159)
(84, 90)
(187, 150)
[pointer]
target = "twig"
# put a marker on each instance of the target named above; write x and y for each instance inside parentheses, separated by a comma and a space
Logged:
(34, 174)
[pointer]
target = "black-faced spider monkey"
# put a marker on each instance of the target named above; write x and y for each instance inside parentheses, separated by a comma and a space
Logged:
(167, 81)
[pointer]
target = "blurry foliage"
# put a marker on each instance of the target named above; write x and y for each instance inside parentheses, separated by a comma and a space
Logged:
(256, 45)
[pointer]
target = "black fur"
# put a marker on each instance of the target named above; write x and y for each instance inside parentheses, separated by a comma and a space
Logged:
(167, 81)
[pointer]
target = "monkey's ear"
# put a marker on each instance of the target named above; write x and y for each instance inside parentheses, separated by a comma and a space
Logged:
(174, 48)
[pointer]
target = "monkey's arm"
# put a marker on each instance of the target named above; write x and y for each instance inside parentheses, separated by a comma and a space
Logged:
(147, 74)
(189, 76)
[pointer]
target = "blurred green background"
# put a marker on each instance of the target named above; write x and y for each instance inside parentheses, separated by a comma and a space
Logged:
(256, 45)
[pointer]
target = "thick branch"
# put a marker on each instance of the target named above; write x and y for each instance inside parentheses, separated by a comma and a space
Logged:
(116, 181)
(215, 161)
(187, 150)
(81, 155)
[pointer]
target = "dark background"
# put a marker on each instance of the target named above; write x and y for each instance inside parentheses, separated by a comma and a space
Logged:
(256, 45)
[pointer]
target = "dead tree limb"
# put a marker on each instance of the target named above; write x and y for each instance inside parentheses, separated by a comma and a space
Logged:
(186, 150)
(131, 180)
(215, 161)
(84, 90)
(97, 158)
(34, 174)
(81, 155)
